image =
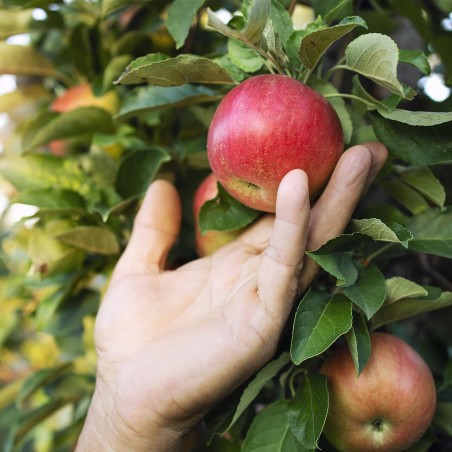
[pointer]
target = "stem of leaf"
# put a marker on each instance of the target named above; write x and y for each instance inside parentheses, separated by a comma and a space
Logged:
(266, 56)
(292, 378)
(350, 96)
(379, 251)
(335, 68)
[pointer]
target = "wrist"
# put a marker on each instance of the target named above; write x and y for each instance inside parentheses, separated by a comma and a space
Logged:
(105, 430)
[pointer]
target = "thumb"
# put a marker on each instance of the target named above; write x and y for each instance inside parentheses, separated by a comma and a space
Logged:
(155, 230)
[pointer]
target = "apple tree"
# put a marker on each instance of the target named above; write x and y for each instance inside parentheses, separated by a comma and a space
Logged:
(156, 71)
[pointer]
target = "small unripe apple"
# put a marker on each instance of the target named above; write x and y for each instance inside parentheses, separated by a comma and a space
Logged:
(388, 407)
(211, 241)
(267, 126)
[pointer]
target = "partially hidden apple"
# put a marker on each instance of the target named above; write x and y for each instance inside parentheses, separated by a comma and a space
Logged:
(267, 126)
(211, 241)
(77, 97)
(388, 407)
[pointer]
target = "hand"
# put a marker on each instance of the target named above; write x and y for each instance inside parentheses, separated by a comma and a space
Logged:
(172, 344)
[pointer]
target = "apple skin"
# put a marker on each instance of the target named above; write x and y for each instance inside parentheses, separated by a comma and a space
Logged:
(388, 407)
(267, 126)
(211, 241)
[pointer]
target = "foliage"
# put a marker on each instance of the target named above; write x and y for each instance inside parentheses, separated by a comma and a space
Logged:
(169, 69)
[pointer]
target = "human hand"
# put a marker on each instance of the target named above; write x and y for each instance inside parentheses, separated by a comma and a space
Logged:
(172, 344)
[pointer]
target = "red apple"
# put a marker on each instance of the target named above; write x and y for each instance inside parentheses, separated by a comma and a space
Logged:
(267, 126)
(388, 407)
(211, 241)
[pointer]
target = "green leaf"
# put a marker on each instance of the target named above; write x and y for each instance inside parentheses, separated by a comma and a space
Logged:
(138, 170)
(423, 180)
(308, 410)
(92, 239)
(375, 56)
(325, 88)
(432, 232)
(319, 321)
(181, 14)
(443, 417)
(409, 198)
(413, 144)
(409, 307)
(39, 379)
(399, 288)
(315, 44)
(52, 199)
(270, 431)
(24, 60)
(252, 390)
(150, 98)
(85, 120)
(15, 22)
(358, 340)
(381, 232)
(281, 20)
(415, 58)
(333, 10)
(256, 21)
(110, 6)
(339, 265)
(369, 291)
(225, 213)
(244, 57)
(114, 69)
(418, 118)
(174, 71)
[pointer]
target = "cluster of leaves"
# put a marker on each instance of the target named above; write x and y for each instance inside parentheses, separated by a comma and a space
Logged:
(168, 70)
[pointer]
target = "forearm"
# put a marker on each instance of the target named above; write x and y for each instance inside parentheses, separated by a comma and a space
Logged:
(105, 431)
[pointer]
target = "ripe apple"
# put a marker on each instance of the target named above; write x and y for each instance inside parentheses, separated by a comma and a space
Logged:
(267, 126)
(388, 407)
(211, 241)
(76, 97)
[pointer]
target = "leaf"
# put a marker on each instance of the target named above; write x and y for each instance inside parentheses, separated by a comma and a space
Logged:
(418, 118)
(110, 6)
(15, 22)
(358, 340)
(270, 431)
(333, 10)
(244, 57)
(417, 59)
(51, 199)
(406, 196)
(151, 98)
(225, 213)
(114, 69)
(409, 307)
(315, 44)
(432, 232)
(252, 390)
(181, 14)
(369, 291)
(399, 288)
(319, 321)
(308, 410)
(379, 231)
(175, 71)
(81, 121)
(92, 239)
(138, 170)
(325, 88)
(281, 20)
(375, 56)
(38, 379)
(339, 265)
(420, 145)
(423, 180)
(443, 417)
(252, 32)
(24, 60)
(371, 102)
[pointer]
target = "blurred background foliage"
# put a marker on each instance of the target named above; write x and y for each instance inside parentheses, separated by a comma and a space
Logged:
(72, 175)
